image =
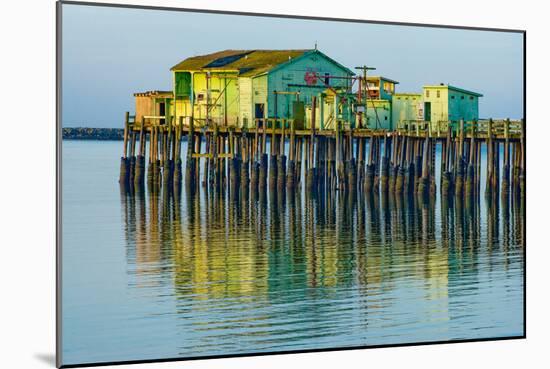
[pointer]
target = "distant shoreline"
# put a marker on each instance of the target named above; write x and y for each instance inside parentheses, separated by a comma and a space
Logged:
(86, 133)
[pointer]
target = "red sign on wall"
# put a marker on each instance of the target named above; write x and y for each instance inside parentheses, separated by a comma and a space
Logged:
(310, 78)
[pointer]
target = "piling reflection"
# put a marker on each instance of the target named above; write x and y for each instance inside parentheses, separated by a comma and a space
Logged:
(262, 252)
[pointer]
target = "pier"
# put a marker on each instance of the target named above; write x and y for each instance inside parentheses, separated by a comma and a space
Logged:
(297, 120)
(275, 156)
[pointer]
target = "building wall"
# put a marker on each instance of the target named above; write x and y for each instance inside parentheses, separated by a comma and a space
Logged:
(438, 98)
(224, 97)
(149, 106)
(144, 106)
(407, 107)
(463, 106)
(382, 110)
(383, 94)
(245, 101)
(324, 113)
(451, 105)
(294, 74)
(259, 96)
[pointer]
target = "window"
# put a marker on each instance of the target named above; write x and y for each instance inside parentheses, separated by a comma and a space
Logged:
(453, 97)
(462, 97)
(471, 97)
(438, 93)
(288, 77)
(385, 117)
(327, 78)
(427, 93)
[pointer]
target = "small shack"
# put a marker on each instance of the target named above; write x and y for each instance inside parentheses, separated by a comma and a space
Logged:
(446, 103)
(153, 104)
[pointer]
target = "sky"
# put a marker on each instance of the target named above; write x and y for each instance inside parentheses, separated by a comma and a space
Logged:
(110, 53)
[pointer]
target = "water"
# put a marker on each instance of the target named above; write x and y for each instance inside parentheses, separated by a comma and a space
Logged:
(150, 277)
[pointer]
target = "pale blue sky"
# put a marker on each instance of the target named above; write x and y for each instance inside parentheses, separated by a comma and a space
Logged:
(110, 53)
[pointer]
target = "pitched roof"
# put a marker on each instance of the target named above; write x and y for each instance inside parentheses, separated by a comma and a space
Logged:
(374, 78)
(246, 62)
(456, 89)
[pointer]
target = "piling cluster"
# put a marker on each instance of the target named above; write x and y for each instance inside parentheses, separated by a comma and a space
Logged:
(275, 156)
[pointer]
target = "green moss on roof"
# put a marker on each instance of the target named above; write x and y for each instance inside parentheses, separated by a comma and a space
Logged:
(251, 62)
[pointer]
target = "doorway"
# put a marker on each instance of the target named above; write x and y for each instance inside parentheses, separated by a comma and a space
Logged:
(259, 113)
(427, 111)
(162, 112)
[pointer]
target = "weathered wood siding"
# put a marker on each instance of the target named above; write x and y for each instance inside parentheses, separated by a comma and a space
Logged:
(224, 99)
(438, 99)
(407, 107)
(462, 106)
(378, 113)
(245, 101)
(144, 106)
(291, 77)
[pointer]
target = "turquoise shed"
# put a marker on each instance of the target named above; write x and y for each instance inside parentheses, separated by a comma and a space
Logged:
(446, 103)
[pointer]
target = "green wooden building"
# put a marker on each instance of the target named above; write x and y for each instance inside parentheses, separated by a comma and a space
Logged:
(241, 88)
(446, 103)
(236, 87)
(406, 107)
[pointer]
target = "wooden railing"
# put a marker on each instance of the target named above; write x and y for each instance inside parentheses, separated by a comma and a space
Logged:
(499, 128)
(502, 128)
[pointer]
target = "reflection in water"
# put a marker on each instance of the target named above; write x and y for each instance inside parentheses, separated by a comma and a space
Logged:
(269, 271)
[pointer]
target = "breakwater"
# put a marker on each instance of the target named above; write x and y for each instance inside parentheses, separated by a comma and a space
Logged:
(85, 133)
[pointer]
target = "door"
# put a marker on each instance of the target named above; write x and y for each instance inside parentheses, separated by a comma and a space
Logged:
(428, 111)
(259, 113)
(298, 113)
(162, 112)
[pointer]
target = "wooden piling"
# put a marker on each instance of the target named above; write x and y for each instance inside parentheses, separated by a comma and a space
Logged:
(124, 167)
(423, 189)
(505, 185)
(522, 183)
(139, 175)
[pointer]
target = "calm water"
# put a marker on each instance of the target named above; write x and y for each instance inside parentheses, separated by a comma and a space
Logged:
(161, 277)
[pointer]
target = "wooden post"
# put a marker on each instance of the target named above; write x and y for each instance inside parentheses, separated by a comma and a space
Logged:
(139, 174)
(126, 127)
(423, 183)
(522, 161)
(505, 186)
(311, 174)
(124, 168)
(190, 167)
(490, 159)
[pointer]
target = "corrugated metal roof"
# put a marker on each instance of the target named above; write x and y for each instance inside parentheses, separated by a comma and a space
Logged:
(246, 62)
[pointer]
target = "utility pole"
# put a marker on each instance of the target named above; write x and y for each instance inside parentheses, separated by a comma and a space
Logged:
(364, 68)
(363, 90)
